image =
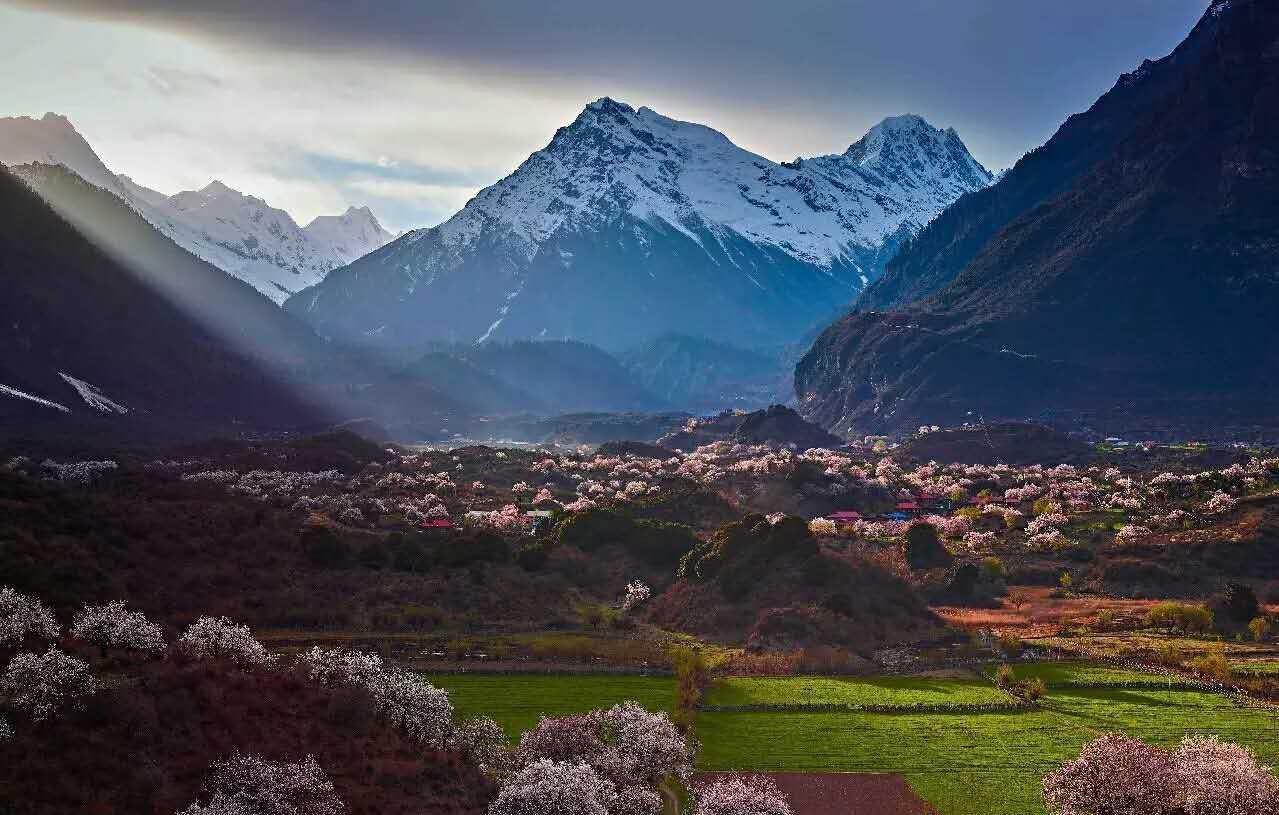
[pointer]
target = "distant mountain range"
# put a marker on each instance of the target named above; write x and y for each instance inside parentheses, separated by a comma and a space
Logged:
(1121, 278)
(630, 225)
(238, 233)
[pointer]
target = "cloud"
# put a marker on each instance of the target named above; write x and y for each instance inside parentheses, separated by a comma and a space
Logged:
(1005, 73)
(176, 81)
(315, 105)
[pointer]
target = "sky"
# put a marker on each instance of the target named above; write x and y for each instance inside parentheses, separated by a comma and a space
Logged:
(411, 106)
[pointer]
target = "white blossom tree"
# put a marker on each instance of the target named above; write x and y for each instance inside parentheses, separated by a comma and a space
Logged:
(220, 638)
(114, 626)
(637, 594)
(548, 787)
(44, 685)
(252, 785)
(22, 616)
(408, 702)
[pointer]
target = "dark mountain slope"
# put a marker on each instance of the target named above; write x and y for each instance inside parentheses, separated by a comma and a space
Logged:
(1140, 299)
(69, 307)
(229, 316)
(935, 256)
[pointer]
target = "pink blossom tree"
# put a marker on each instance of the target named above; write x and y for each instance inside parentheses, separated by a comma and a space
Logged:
(741, 795)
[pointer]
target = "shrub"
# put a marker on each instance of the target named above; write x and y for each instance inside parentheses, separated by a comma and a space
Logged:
(322, 546)
(1238, 603)
(481, 547)
(1180, 616)
(924, 549)
(375, 555)
(992, 568)
(1259, 628)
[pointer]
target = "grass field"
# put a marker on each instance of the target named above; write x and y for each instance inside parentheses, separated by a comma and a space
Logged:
(904, 691)
(517, 701)
(1065, 674)
(965, 764)
(976, 764)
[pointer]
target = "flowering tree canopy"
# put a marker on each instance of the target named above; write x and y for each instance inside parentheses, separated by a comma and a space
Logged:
(547, 787)
(22, 616)
(252, 785)
(113, 626)
(418, 708)
(43, 685)
(1122, 776)
(637, 593)
(741, 795)
(219, 638)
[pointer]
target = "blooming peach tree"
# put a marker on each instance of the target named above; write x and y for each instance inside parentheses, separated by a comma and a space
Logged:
(741, 795)
(22, 616)
(220, 638)
(114, 626)
(44, 685)
(252, 785)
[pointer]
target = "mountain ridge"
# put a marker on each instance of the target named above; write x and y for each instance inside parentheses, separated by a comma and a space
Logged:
(625, 212)
(1135, 301)
(240, 234)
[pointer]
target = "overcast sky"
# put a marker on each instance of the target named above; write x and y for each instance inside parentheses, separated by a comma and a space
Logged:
(411, 106)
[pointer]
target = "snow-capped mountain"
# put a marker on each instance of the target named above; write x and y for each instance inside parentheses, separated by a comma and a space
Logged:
(630, 224)
(256, 242)
(238, 233)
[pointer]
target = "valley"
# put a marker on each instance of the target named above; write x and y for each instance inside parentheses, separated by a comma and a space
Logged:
(618, 466)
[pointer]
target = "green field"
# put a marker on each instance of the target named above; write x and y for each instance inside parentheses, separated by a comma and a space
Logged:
(964, 763)
(976, 764)
(517, 701)
(903, 691)
(1065, 674)
(1256, 667)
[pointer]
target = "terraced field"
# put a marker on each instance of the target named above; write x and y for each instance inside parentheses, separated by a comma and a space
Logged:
(1067, 674)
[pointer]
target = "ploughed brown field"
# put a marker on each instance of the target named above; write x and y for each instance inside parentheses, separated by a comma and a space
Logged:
(844, 793)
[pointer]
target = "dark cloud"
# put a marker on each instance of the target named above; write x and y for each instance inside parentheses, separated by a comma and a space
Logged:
(1003, 72)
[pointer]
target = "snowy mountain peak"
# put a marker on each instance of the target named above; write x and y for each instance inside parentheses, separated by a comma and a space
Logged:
(217, 188)
(52, 139)
(645, 211)
(238, 233)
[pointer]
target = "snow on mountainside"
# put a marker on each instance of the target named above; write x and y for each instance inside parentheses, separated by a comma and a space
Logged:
(630, 224)
(238, 233)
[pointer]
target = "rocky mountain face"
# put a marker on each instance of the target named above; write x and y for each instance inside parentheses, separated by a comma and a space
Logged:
(238, 233)
(946, 245)
(630, 225)
(1139, 298)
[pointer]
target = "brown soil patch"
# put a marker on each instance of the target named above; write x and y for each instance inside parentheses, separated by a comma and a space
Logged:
(844, 793)
(1034, 612)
